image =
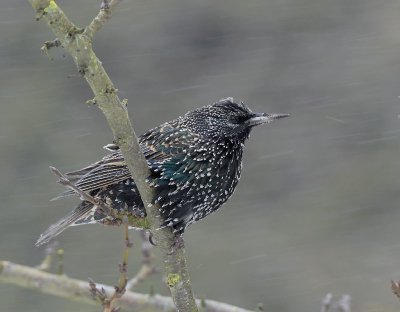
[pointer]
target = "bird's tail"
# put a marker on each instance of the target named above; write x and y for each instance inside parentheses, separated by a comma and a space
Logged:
(84, 209)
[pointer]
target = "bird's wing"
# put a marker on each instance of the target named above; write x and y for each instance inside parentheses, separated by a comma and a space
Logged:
(111, 169)
(158, 145)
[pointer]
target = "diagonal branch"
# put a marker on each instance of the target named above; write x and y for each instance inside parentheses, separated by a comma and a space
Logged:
(77, 42)
(105, 14)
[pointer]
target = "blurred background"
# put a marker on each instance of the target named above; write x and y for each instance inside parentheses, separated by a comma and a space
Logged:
(317, 208)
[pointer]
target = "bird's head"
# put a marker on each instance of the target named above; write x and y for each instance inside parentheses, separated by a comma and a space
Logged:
(226, 119)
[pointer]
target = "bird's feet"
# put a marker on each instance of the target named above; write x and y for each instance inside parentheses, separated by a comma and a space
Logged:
(178, 242)
(151, 240)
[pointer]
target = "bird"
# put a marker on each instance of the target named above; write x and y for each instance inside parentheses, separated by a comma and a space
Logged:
(195, 163)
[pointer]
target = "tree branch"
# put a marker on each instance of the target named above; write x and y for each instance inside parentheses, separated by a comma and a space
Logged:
(78, 290)
(77, 42)
(105, 14)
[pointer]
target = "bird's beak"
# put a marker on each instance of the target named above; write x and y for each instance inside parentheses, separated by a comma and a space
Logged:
(259, 119)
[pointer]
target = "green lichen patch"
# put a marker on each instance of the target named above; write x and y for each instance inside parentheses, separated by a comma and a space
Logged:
(51, 8)
(172, 279)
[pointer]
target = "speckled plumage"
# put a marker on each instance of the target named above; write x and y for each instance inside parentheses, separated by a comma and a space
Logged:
(196, 163)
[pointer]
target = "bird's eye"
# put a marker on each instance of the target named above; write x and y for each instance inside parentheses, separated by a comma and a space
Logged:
(234, 119)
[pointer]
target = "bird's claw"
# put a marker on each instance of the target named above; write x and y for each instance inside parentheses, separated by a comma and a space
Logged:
(151, 240)
(179, 243)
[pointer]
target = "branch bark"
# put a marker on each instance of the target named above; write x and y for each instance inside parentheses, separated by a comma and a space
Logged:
(77, 42)
(78, 290)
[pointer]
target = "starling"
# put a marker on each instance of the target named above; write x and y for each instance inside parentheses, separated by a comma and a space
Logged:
(195, 160)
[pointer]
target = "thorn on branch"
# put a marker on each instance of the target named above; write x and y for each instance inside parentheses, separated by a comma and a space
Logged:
(48, 45)
(91, 102)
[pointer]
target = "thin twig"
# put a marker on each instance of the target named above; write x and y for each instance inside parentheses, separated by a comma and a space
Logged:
(50, 44)
(106, 9)
(49, 252)
(65, 182)
(60, 266)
